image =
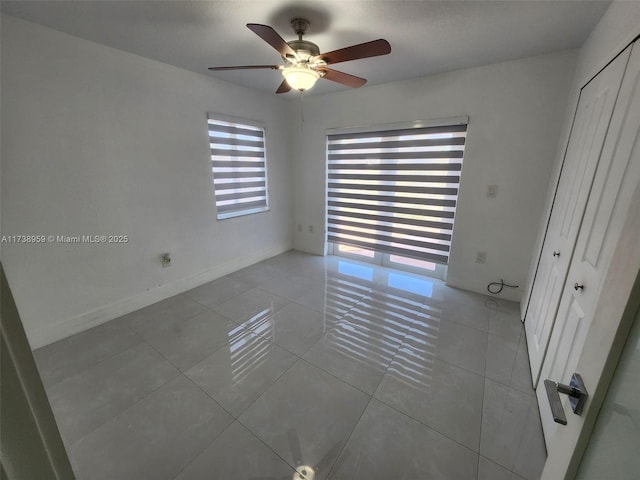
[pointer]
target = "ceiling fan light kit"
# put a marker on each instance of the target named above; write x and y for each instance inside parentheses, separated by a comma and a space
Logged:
(300, 77)
(304, 64)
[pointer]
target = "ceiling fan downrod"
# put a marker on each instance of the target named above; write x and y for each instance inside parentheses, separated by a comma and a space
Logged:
(303, 48)
(300, 26)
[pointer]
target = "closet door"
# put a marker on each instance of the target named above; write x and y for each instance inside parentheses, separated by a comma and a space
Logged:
(616, 181)
(590, 127)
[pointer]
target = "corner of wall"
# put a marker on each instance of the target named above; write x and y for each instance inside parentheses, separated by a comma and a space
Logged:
(151, 184)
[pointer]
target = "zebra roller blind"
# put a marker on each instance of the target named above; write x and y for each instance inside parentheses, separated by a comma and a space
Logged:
(239, 167)
(395, 190)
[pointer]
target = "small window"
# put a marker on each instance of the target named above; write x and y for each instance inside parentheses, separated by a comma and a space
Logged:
(239, 166)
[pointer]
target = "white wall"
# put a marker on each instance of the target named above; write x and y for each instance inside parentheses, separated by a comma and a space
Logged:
(96, 141)
(515, 110)
(616, 29)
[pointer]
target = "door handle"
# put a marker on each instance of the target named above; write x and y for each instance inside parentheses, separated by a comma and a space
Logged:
(577, 397)
(577, 286)
(556, 253)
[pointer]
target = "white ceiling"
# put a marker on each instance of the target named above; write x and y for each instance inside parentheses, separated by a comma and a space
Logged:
(426, 37)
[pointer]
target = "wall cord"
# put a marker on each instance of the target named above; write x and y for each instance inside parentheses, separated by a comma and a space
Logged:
(500, 285)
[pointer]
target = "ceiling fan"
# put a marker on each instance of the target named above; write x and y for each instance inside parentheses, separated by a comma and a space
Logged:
(304, 64)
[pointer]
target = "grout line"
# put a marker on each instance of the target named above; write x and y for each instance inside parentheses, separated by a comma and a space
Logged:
(200, 451)
(500, 465)
(266, 445)
(484, 386)
(84, 368)
(374, 289)
(256, 401)
(372, 396)
(430, 427)
(346, 442)
(270, 384)
(137, 402)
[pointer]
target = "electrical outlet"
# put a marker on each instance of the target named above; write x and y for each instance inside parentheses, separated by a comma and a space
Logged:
(492, 191)
(481, 257)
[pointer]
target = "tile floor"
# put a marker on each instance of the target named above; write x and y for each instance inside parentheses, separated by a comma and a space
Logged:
(357, 371)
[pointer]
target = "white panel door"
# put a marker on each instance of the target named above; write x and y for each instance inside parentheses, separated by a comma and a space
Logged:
(616, 180)
(591, 124)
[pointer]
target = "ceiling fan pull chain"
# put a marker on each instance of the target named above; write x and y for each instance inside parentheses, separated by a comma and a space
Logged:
(301, 111)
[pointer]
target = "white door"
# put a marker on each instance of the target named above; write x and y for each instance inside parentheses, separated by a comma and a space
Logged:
(591, 124)
(605, 258)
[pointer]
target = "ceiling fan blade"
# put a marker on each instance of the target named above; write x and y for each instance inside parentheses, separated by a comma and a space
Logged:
(284, 87)
(341, 77)
(340, 461)
(294, 445)
(362, 50)
(329, 457)
(244, 67)
(270, 36)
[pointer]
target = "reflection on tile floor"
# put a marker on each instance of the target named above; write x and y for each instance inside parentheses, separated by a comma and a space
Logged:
(347, 370)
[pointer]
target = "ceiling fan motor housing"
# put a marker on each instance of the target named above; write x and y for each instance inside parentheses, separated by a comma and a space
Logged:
(304, 49)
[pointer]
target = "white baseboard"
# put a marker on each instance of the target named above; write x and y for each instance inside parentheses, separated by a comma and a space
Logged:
(57, 331)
